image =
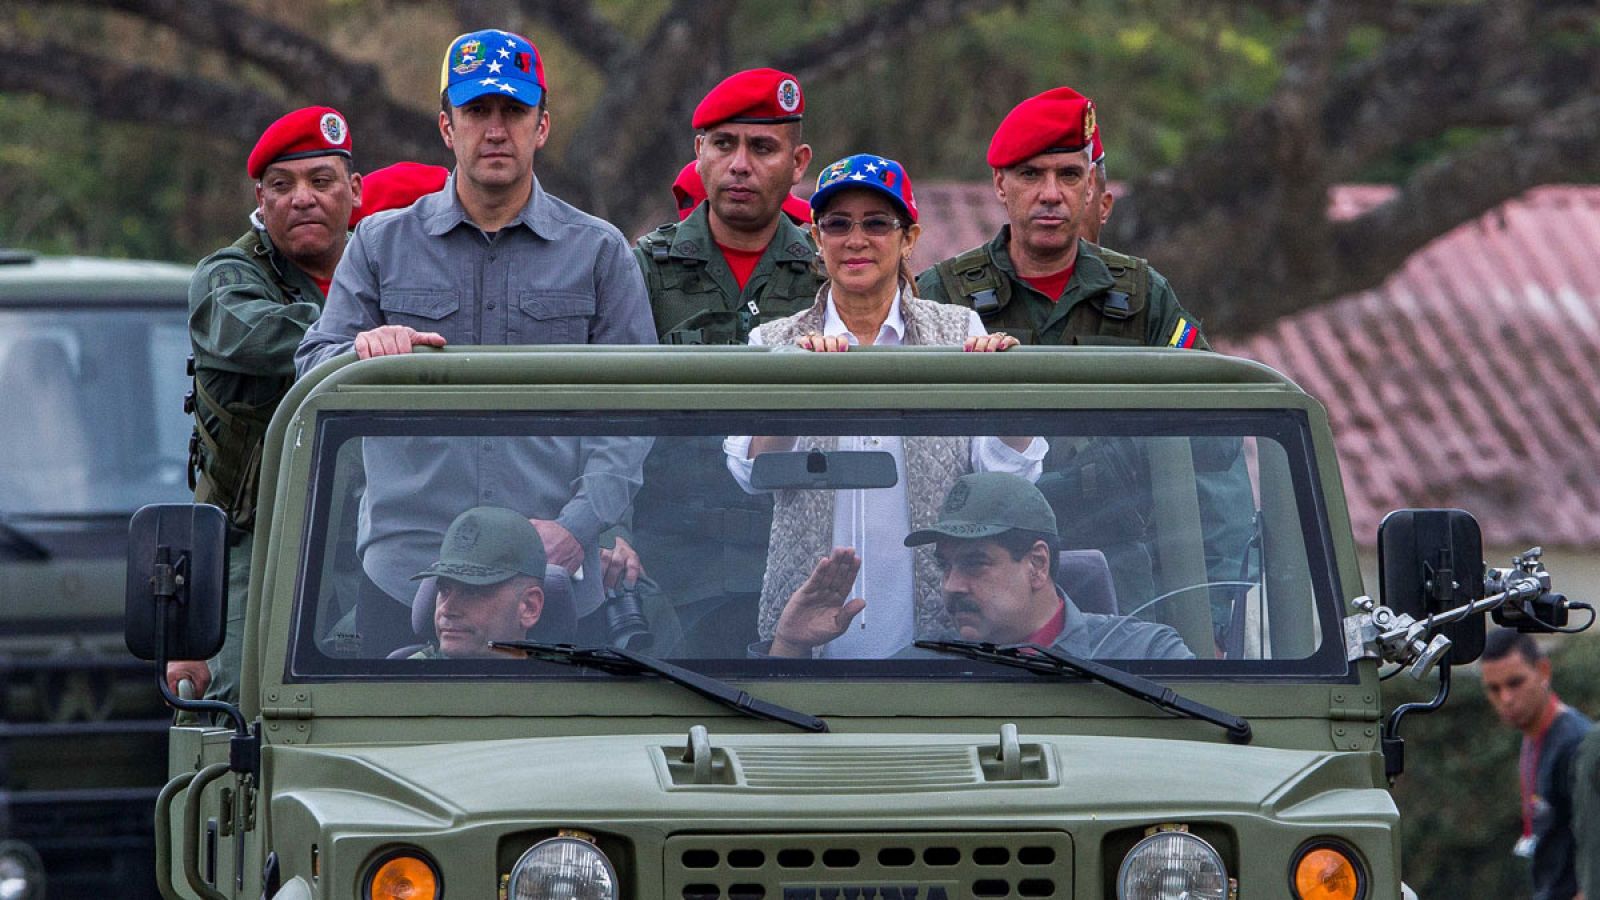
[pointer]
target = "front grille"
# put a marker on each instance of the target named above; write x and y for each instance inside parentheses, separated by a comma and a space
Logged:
(877, 866)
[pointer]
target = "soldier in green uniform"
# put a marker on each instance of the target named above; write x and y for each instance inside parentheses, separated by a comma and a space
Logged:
(249, 305)
(1042, 280)
(734, 262)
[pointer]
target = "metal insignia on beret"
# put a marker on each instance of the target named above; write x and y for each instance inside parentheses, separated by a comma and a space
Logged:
(333, 128)
(1088, 122)
(958, 497)
(789, 95)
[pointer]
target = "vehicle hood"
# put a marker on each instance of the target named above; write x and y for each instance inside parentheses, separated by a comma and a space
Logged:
(760, 776)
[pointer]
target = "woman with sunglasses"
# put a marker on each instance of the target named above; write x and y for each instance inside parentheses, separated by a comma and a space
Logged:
(865, 226)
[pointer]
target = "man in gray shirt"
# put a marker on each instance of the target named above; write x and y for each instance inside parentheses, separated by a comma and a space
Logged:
(490, 259)
(996, 544)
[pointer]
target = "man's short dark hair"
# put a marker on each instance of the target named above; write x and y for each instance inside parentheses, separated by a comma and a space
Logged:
(1019, 543)
(1502, 642)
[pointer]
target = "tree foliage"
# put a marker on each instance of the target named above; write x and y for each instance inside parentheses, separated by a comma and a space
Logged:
(1228, 121)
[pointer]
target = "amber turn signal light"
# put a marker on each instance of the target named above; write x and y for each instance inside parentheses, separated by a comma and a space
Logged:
(1327, 872)
(403, 876)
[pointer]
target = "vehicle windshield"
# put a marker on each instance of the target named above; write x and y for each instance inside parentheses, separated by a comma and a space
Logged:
(789, 544)
(92, 409)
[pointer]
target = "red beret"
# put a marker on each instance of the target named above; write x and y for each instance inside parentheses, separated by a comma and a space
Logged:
(396, 187)
(688, 190)
(752, 97)
(313, 131)
(1059, 119)
(798, 209)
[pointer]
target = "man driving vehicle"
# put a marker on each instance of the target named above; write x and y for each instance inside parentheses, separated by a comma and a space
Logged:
(490, 572)
(997, 549)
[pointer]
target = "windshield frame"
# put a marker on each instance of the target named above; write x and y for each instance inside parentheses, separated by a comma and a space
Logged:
(354, 413)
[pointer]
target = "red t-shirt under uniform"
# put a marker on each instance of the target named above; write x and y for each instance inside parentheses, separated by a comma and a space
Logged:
(742, 263)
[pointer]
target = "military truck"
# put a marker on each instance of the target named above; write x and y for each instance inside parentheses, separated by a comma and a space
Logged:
(91, 429)
(575, 764)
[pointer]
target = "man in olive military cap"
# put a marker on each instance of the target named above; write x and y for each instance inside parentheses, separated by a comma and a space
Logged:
(249, 305)
(490, 573)
(996, 544)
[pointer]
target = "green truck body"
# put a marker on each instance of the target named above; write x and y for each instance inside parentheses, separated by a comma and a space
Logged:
(943, 777)
(91, 388)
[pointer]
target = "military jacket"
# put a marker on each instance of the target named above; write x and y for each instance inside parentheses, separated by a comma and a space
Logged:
(694, 296)
(249, 306)
(1112, 299)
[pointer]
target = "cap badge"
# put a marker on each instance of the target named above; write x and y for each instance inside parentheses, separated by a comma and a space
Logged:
(958, 497)
(835, 172)
(467, 58)
(333, 128)
(465, 537)
(1088, 122)
(789, 95)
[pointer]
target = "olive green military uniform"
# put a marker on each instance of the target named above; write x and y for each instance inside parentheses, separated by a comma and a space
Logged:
(689, 501)
(248, 309)
(1112, 298)
(692, 291)
(1101, 488)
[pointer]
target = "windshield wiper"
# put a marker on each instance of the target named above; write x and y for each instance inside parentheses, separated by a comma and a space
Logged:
(625, 662)
(22, 544)
(1048, 661)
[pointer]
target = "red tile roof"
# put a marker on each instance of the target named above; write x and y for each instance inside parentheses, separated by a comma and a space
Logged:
(1470, 378)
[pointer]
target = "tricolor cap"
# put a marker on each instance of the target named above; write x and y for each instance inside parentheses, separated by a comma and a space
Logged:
(986, 505)
(396, 187)
(869, 171)
(1060, 120)
(492, 62)
(302, 134)
(752, 97)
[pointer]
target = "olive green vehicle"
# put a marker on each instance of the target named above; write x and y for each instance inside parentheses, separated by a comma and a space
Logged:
(702, 768)
(91, 429)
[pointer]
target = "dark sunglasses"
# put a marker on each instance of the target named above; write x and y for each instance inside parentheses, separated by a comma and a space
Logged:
(871, 226)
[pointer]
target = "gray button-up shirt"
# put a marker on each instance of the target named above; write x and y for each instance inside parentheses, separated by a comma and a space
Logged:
(554, 275)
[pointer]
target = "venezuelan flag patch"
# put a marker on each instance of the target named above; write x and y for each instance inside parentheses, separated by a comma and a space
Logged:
(1184, 335)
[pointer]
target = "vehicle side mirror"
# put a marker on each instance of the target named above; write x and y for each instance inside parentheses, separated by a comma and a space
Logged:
(177, 581)
(818, 470)
(1430, 561)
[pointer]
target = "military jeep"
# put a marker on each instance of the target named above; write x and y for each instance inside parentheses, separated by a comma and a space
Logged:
(695, 765)
(91, 429)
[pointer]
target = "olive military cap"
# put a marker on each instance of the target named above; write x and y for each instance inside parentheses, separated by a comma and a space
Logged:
(488, 545)
(986, 504)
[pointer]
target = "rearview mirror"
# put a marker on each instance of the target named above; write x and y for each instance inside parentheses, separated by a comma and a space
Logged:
(1430, 561)
(177, 581)
(819, 470)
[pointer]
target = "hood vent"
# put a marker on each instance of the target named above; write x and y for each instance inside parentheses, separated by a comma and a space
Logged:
(853, 769)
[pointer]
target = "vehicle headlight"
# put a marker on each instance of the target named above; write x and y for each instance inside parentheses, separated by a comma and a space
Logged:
(1172, 865)
(21, 872)
(563, 868)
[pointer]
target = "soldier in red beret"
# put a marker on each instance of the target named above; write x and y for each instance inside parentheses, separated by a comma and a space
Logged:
(733, 262)
(249, 305)
(1043, 280)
